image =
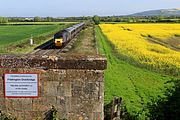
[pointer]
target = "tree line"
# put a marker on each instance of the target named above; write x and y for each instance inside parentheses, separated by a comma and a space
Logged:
(96, 19)
(48, 19)
(135, 19)
(141, 19)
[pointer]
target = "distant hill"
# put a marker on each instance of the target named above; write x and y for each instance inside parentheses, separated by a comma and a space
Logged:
(161, 12)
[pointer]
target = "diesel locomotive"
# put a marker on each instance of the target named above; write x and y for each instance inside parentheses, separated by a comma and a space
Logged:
(63, 37)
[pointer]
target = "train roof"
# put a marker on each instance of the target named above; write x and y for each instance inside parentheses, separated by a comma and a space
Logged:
(78, 25)
(70, 29)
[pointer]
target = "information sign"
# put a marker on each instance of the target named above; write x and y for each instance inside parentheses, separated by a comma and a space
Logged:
(21, 85)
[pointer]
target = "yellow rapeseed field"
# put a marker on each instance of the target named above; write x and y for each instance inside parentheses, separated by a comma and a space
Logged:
(130, 40)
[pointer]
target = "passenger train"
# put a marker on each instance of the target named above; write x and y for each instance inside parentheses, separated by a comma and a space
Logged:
(63, 37)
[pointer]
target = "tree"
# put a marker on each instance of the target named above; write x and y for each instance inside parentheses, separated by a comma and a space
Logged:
(3, 20)
(49, 19)
(37, 19)
(96, 19)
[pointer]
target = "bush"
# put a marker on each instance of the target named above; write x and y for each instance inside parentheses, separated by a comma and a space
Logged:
(96, 19)
(4, 116)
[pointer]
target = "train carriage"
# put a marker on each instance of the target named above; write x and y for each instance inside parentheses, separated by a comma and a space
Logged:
(67, 34)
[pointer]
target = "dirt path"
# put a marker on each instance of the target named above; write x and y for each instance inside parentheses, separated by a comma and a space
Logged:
(85, 43)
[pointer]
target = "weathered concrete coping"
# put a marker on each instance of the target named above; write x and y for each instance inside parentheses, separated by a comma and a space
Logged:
(53, 62)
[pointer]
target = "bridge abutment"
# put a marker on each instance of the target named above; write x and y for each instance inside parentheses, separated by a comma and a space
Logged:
(74, 85)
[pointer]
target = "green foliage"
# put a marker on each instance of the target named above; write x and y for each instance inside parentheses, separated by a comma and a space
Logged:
(49, 19)
(96, 19)
(53, 113)
(89, 23)
(4, 116)
(169, 108)
(37, 19)
(3, 20)
(142, 19)
(138, 87)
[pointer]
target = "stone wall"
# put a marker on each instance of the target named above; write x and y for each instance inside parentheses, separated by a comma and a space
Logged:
(73, 85)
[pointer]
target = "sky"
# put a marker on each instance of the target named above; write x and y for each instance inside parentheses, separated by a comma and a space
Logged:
(66, 8)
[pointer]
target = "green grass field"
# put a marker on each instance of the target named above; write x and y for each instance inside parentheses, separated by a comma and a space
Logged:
(13, 36)
(140, 89)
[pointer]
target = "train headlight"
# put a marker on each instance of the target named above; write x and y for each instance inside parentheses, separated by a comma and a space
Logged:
(58, 42)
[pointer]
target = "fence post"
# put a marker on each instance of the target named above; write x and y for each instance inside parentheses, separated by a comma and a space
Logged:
(31, 40)
(116, 108)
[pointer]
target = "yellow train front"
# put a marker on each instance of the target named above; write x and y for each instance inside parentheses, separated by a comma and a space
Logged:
(58, 40)
(63, 37)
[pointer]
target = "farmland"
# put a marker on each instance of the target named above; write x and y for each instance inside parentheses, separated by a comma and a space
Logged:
(133, 51)
(11, 34)
(14, 35)
(153, 46)
(146, 94)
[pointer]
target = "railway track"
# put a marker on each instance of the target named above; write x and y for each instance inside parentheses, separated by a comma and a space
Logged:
(66, 36)
(50, 49)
